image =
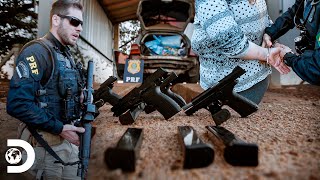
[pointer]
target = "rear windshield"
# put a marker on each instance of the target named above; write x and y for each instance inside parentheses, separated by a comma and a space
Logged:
(175, 13)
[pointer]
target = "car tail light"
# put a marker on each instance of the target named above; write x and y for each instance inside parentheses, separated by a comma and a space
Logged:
(134, 50)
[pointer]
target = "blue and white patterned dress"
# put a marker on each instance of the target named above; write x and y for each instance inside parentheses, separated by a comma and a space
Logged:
(223, 29)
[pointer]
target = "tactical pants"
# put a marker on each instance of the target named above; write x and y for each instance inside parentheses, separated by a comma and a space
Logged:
(45, 167)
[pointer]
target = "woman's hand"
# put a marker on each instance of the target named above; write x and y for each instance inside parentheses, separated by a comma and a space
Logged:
(284, 49)
(276, 60)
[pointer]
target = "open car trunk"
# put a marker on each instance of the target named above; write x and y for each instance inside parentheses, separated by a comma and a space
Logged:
(162, 42)
(173, 15)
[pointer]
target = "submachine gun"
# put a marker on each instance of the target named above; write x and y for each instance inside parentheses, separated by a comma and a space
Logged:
(222, 94)
(85, 121)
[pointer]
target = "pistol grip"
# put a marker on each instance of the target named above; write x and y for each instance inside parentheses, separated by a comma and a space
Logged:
(163, 103)
(242, 105)
(176, 97)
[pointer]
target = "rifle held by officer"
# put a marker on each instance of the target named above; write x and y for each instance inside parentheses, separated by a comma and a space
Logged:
(222, 94)
(85, 122)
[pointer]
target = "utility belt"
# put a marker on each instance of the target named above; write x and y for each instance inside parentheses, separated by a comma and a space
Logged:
(52, 140)
(25, 134)
(42, 139)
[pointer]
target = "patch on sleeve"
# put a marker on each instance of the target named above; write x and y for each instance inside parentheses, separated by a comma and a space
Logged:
(22, 70)
(33, 65)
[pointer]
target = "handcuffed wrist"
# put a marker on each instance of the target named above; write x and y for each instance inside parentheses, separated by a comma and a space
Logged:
(268, 54)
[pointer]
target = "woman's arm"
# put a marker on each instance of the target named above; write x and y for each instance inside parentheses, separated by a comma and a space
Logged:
(227, 38)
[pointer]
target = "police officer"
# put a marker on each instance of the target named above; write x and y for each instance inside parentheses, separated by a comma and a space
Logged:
(305, 15)
(45, 92)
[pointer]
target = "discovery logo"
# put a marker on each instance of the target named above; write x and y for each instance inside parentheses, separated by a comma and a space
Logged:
(14, 155)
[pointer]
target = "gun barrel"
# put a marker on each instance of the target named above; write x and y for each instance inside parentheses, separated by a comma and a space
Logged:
(90, 74)
(230, 79)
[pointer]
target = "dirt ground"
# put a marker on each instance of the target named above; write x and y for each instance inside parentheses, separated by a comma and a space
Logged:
(286, 128)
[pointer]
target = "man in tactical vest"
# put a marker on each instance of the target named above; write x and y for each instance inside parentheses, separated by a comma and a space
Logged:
(305, 15)
(45, 93)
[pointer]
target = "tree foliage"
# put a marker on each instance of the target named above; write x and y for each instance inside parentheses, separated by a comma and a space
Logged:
(129, 31)
(18, 23)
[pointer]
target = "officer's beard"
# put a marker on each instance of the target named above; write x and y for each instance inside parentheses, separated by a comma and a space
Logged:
(62, 33)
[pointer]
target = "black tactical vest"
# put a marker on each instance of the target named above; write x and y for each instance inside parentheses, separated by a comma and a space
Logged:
(60, 95)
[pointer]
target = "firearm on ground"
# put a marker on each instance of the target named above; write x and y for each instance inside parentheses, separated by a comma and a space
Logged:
(165, 86)
(105, 94)
(148, 93)
(222, 94)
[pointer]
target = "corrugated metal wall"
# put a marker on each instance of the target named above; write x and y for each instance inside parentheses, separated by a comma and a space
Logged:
(97, 28)
(98, 31)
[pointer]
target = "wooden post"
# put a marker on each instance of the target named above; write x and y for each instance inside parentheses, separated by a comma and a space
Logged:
(116, 37)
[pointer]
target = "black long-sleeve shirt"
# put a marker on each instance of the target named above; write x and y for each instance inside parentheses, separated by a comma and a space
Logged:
(306, 65)
(33, 66)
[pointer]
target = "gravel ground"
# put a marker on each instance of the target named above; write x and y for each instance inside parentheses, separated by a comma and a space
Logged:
(286, 128)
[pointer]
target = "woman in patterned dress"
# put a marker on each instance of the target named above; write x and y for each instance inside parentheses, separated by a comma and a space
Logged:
(227, 33)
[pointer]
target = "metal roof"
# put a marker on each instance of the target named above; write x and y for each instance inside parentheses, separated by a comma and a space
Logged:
(120, 10)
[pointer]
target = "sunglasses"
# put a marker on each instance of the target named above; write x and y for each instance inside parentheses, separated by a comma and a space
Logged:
(73, 20)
